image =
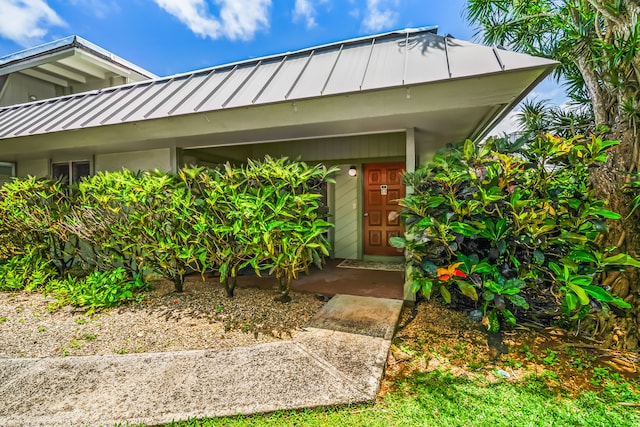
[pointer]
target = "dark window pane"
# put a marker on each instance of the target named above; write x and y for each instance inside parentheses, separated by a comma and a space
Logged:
(80, 170)
(60, 171)
(7, 170)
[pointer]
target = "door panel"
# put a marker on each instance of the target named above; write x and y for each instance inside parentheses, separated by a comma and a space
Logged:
(383, 188)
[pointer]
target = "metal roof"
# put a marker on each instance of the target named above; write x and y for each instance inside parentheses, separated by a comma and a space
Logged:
(11, 62)
(402, 58)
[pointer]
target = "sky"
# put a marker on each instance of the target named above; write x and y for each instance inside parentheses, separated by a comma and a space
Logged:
(174, 36)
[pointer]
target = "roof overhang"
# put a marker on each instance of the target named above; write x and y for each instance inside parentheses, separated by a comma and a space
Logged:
(441, 112)
(70, 61)
(446, 89)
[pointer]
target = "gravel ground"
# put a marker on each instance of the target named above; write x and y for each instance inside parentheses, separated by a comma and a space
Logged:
(200, 318)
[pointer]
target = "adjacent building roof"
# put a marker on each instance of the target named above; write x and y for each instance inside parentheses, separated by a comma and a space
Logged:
(396, 59)
(69, 61)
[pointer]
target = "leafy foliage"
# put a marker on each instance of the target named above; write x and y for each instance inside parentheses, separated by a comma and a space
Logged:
(31, 213)
(291, 228)
(512, 231)
(263, 215)
(97, 290)
(538, 116)
(137, 220)
(117, 227)
(29, 272)
(596, 43)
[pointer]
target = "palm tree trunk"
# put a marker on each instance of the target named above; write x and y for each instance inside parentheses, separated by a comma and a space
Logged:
(621, 328)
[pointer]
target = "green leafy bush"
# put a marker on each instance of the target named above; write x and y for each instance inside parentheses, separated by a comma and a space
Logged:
(28, 272)
(97, 290)
(285, 196)
(136, 220)
(514, 233)
(31, 213)
(263, 215)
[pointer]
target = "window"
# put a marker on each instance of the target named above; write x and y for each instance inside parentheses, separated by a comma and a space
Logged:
(70, 172)
(7, 171)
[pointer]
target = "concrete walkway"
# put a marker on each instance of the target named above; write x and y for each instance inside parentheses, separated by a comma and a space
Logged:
(338, 359)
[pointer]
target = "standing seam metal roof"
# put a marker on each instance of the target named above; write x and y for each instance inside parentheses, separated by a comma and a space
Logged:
(402, 58)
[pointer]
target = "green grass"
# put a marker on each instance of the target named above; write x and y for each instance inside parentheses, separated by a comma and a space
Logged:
(441, 399)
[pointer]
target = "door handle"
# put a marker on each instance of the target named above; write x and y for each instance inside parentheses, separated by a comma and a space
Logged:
(366, 214)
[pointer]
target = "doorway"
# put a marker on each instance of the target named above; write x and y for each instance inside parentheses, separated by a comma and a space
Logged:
(383, 188)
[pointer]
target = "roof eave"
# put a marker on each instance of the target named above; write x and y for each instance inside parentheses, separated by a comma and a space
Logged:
(482, 132)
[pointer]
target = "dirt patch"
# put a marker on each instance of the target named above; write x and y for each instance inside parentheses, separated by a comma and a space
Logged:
(433, 336)
(200, 318)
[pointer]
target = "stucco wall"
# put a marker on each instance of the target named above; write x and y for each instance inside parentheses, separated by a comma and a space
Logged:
(135, 160)
(346, 217)
(33, 167)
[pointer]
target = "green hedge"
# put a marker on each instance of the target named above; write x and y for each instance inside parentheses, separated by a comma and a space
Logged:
(262, 215)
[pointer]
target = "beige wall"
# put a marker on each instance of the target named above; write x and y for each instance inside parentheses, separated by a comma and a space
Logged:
(346, 217)
(337, 148)
(212, 157)
(135, 160)
(18, 88)
(33, 167)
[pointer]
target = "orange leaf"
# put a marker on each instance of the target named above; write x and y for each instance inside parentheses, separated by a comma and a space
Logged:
(447, 273)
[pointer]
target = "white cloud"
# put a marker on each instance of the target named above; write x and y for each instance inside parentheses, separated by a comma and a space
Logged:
(26, 22)
(238, 19)
(306, 10)
(98, 8)
(380, 15)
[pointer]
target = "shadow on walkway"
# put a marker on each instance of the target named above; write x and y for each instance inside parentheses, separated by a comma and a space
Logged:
(333, 280)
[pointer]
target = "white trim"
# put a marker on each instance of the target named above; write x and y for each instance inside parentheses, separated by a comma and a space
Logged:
(44, 76)
(303, 138)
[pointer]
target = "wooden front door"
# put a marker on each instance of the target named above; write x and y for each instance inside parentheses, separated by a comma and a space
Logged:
(382, 188)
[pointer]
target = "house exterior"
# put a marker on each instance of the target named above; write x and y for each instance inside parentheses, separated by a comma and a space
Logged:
(62, 67)
(374, 106)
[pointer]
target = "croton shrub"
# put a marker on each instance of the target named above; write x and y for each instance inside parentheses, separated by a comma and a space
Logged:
(125, 225)
(512, 233)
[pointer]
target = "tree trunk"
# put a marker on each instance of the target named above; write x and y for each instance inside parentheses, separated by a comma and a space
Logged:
(620, 328)
(283, 288)
(230, 286)
(178, 283)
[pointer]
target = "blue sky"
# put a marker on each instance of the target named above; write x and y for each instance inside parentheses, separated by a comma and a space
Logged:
(173, 36)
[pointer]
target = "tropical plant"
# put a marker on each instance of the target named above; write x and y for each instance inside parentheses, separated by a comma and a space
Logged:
(519, 235)
(263, 215)
(31, 212)
(597, 44)
(537, 116)
(98, 218)
(28, 271)
(139, 220)
(98, 289)
(225, 222)
(292, 230)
